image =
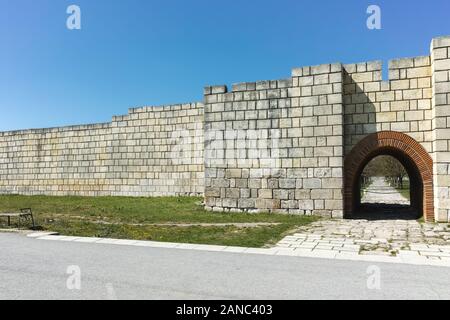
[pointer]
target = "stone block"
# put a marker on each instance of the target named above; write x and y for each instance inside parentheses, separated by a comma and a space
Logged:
(218, 89)
(322, 89)
(386, 116)
(323, 68)
(441, 65)
(419, 72)
(362, 77)
(268, 204)
(401, 63)
(246, 203)
(440, 42)
(287, 183)
(321, 194)
(309, 101)
(265, 193)
(306, 204)
(422, 61)
(312, 183)
(414, 115)
(441, 53)
(385, 96)
(297, 72)
(412, 94)
(442, 87)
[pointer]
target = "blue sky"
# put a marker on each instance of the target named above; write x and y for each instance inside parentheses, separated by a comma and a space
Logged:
(150, 52)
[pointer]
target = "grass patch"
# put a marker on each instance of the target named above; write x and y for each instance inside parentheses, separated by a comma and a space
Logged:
(129, 218)
(405, 191)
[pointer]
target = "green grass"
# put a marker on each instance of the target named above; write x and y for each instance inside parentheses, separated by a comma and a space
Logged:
(362, 192)
(129, 218)
(405, 191)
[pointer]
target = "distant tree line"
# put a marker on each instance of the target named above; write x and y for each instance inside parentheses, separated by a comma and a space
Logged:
(385, 166)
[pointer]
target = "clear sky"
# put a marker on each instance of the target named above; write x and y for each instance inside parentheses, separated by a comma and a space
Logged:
(132, 53)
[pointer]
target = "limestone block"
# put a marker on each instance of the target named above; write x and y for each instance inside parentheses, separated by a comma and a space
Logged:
(441, 99)
(413, 94)
(385, 96)
(297, 72)
(414, 115)
(386, 116)
(419, 72)
(401, 63)
(262, 85)
(322, 89)
(312, 183)
(306, 204)
(324, 68)
(287, 183)
(440, 42)
(281, 194)
(321, 194)
(289, 204)
(306, 81)
(268, 204)
(440, 53)
(265, 193)
(330, 183)
(246, 203)
(232, 193)
(362, 77)
(442, 87)
(309, 101)
(440, 65)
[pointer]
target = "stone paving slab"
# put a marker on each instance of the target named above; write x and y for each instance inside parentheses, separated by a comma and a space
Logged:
(408, 240)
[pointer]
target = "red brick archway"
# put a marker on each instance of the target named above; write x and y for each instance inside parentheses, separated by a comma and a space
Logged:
(408, 151)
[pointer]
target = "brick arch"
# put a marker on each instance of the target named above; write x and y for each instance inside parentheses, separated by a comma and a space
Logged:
(408, 151)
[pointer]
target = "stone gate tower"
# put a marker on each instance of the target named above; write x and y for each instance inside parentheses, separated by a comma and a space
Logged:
(299, 145)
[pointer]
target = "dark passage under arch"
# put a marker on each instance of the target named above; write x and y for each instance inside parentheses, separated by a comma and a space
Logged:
(411, 155)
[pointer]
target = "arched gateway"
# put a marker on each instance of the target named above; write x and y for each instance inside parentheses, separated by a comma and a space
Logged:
(409, 152)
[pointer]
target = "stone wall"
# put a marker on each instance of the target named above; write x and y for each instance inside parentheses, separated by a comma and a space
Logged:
(440, 61)
(279, 146)
(152, 151)
(401, 104)
(276, 146)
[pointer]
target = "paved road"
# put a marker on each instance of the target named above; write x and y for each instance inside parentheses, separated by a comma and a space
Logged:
(36, 269)
(379, 191)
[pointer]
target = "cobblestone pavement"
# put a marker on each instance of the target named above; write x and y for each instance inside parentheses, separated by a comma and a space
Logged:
(404, 238)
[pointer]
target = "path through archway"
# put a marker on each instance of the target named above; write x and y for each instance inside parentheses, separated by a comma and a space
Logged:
(408, 152)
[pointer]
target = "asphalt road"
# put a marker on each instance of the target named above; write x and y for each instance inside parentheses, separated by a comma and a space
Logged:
(37, 269)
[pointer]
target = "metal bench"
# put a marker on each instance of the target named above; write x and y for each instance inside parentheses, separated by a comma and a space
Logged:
(24, 214)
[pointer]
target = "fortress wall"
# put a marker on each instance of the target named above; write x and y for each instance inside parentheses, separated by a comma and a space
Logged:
(276, 145)
(266, 146)
(440, 56)
(402, 104)
(149, 152)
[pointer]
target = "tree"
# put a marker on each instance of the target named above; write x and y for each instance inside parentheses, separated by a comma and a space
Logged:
(386, 166)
